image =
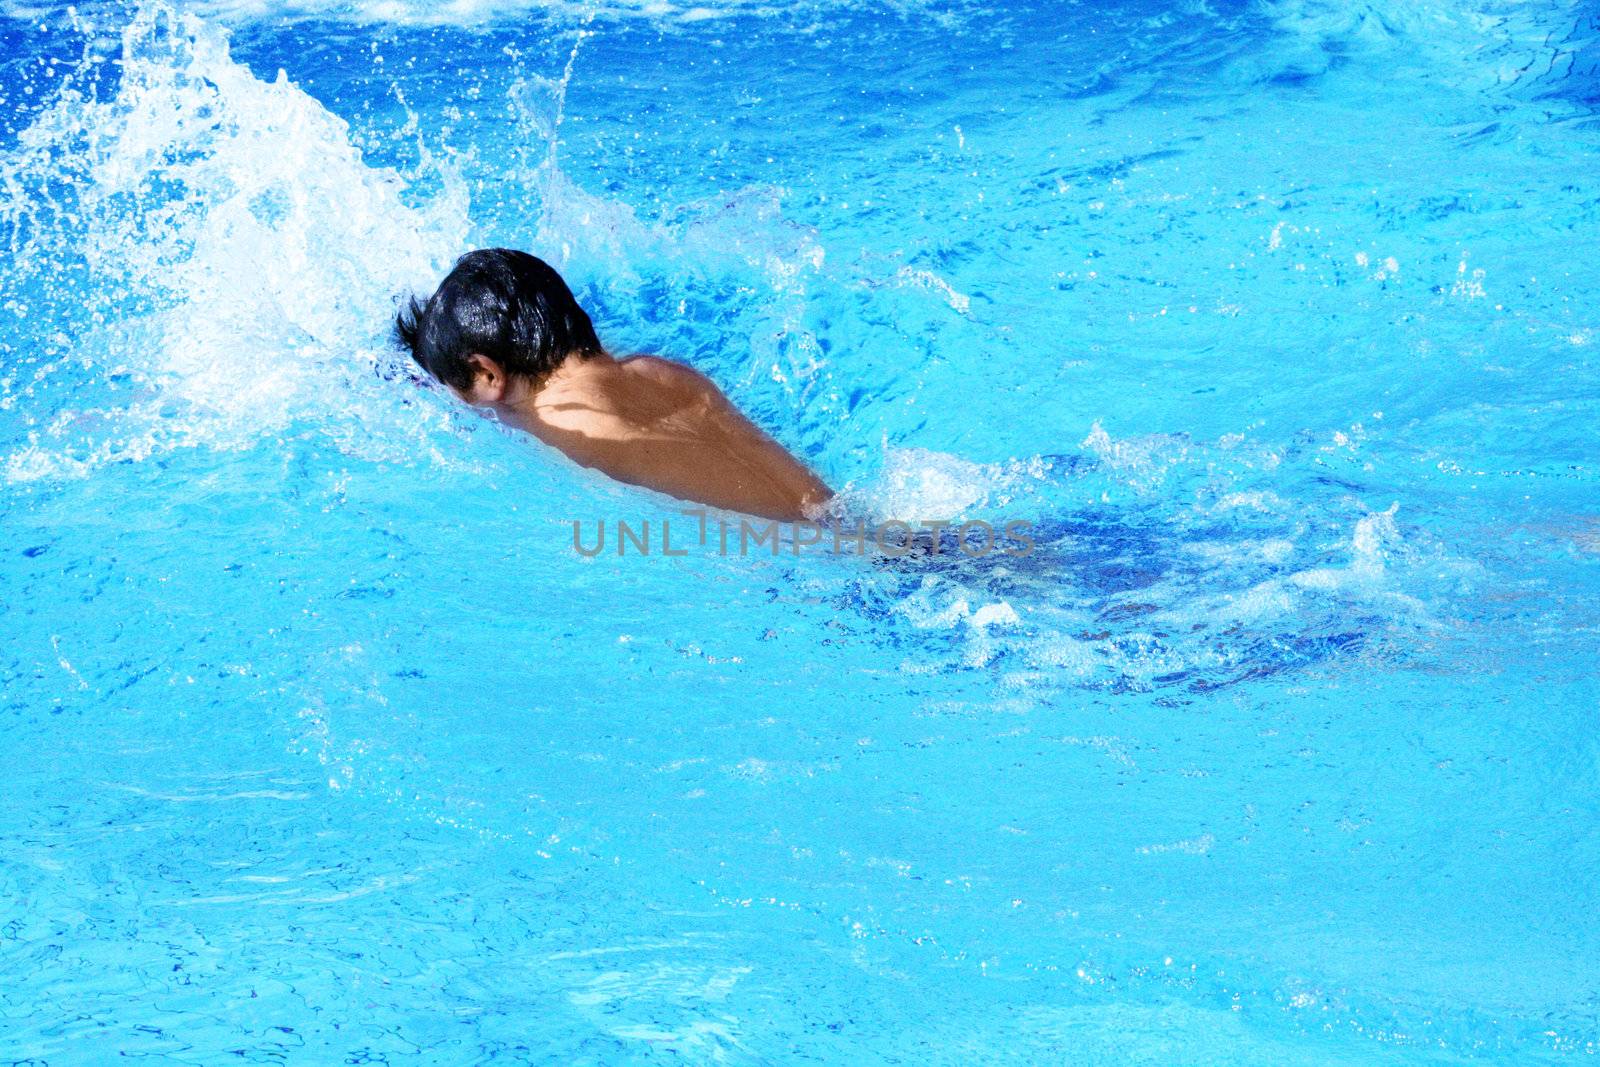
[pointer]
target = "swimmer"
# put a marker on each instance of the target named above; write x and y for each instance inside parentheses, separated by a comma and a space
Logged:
(504, 334)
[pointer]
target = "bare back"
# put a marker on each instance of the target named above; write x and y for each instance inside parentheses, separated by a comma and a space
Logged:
(664, 426)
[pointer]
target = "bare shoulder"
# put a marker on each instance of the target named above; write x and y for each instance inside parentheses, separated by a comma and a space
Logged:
(677, 379)
(664, 371)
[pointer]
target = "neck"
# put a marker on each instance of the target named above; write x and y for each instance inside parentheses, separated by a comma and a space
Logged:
(524, 396)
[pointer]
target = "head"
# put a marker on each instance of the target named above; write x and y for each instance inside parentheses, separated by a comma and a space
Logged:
(499, 319)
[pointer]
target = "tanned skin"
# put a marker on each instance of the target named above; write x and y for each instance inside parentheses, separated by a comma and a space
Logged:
(652, 423)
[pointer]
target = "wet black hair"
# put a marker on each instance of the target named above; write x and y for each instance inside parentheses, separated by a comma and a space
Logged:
(507, 305)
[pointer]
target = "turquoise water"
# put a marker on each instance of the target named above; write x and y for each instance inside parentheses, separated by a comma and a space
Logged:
(323, 745)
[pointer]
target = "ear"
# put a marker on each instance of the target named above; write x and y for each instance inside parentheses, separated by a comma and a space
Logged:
(489, 381)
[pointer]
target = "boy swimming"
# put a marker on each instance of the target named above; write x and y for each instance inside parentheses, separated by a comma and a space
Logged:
(503, 332)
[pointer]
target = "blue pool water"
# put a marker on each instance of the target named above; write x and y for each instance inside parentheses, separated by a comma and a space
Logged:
(322, 744)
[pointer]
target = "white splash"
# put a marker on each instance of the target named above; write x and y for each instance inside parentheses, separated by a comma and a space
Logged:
(261, 252)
